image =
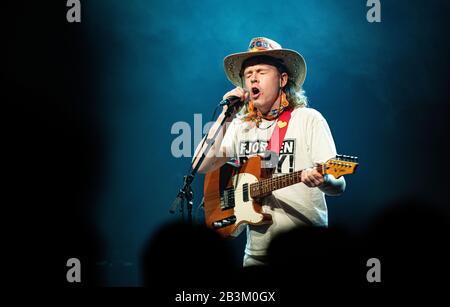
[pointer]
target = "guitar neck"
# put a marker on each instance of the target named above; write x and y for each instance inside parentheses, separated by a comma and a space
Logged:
(339, 166)
(266, 186)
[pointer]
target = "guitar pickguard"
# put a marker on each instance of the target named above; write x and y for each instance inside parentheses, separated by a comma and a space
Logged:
(228, 203)
(243, 202)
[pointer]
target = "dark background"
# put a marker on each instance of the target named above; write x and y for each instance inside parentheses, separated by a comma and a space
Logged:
(90, 106)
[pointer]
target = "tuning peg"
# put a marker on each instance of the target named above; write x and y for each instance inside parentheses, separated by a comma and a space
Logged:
(346, 158)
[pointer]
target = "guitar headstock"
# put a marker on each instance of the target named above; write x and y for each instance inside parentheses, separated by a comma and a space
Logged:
(339, 166)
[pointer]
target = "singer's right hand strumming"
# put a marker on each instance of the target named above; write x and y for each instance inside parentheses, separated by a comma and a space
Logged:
(215, 158)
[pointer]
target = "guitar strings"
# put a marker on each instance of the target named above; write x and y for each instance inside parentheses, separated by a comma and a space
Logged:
(266, 182)
(270, 181)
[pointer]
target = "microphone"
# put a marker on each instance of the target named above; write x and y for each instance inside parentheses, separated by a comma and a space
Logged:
(232, 100)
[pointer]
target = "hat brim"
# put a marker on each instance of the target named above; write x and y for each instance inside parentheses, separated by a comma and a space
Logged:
(294, 62)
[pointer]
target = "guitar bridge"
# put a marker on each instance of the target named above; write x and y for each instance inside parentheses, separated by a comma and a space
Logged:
(227, 199)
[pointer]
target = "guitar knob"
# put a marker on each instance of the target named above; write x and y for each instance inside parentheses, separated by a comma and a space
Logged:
(217, 224)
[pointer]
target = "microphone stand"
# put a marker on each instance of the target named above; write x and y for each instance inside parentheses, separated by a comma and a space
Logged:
(186, 194)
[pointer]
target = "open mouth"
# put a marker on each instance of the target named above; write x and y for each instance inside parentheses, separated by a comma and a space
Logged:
(255, 92)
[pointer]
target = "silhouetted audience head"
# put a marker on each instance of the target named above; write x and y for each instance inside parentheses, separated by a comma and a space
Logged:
(313, 256)
(409, 238)
(183, 255)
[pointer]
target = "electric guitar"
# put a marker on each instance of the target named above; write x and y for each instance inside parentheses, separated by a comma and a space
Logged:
(232, 194)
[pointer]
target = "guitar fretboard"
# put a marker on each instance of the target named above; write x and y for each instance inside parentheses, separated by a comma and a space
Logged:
(265, 186)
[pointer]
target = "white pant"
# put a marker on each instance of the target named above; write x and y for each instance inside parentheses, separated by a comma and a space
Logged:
(250, 260)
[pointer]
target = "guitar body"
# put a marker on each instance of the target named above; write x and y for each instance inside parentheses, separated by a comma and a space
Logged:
(228, 204)
(232, 195)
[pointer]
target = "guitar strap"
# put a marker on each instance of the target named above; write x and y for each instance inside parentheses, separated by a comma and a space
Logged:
(279, 132)
(277, 138)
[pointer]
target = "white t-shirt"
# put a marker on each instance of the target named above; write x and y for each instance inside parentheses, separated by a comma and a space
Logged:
(308, 139)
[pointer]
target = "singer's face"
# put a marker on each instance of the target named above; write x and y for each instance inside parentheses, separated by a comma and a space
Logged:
(263, 83)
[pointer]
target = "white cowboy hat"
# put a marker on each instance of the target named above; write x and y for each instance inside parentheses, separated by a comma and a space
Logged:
(292, 60)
